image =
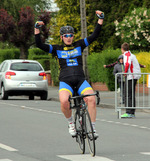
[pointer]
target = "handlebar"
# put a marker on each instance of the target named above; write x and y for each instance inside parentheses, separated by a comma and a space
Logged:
(87, 95)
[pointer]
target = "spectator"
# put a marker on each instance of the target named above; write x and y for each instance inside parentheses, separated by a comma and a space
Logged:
(119, 68)
(131, 66)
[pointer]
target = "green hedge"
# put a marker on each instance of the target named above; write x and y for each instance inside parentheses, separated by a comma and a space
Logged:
(42, 57)
(144, 59)
(36, 51)
(9, 54)
(97, 72)
(95, 62)
(54, 66)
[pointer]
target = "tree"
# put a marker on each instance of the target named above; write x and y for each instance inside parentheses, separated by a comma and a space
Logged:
(135, 29)
(69, 13)
(20, 32)
(13, 6)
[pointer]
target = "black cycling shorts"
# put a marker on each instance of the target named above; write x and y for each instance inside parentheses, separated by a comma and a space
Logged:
(68, 84)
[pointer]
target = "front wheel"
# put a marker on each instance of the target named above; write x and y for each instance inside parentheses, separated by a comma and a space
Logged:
(80, 133)
(90, 133)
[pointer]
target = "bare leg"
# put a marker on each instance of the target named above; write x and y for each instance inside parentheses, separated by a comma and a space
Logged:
(65, 106)
(91, 105)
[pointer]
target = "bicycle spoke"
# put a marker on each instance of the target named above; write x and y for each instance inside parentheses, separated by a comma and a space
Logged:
(80, 136)
(90, 134)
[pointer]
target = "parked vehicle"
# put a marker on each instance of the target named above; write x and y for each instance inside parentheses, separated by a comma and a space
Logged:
(23, 77)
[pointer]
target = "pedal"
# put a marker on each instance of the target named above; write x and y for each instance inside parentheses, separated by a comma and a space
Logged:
(74, 136)
(96, 138)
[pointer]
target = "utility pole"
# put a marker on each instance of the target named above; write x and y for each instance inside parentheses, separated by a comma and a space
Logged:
(84, 34)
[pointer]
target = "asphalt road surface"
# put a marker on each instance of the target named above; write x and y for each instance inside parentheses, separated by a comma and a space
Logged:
(37, 131)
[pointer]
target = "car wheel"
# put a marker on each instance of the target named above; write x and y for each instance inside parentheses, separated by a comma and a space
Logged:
(31, 97)
(4, 94)
(44, 96)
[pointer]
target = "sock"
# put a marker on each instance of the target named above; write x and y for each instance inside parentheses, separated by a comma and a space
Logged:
(93, 124)
(70, 120)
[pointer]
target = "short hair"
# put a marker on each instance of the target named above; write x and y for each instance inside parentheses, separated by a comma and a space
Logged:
(125, 46)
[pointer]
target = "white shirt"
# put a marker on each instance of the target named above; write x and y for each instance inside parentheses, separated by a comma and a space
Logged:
(131, 65)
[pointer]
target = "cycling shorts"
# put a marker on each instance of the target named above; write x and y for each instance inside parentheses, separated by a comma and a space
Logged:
(68, 85)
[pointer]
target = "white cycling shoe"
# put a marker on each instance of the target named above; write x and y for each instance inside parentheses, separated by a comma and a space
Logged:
(72, 129)
(95, 134)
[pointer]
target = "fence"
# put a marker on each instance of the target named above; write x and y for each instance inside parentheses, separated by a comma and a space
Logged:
(124, 99)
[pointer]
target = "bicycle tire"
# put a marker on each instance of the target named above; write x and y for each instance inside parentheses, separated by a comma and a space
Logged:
(80, 138)
(90, 134)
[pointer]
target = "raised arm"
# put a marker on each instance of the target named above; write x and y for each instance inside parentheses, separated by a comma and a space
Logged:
(98, 27)
(38, 41)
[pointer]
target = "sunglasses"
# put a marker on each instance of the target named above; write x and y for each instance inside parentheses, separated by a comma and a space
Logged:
(68, 35)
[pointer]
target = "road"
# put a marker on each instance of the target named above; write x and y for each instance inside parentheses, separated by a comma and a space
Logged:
(37, 131)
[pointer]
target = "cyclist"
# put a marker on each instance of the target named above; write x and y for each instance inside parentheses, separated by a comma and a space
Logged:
(71, 68)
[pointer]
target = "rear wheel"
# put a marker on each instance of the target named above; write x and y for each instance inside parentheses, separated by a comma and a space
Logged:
(90, 134)
(80, 136)
(44, 96)
(4, 94)
(31, 97)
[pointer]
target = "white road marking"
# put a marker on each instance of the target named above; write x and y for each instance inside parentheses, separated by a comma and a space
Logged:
(5, 160)
(134, 125)
(145, 153)
(86, 157)
(124, 124)
(8, 148)
(34, 109)
(101, 120)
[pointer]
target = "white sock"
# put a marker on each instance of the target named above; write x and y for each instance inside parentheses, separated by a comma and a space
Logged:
(93, 125)
(70, 120)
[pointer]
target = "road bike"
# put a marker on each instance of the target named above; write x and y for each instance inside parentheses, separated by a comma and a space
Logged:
(83, 123)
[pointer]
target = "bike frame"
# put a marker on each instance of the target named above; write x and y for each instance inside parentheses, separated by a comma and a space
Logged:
(81, 112)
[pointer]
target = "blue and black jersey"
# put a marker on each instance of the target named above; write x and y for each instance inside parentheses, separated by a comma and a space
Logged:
(70, 57)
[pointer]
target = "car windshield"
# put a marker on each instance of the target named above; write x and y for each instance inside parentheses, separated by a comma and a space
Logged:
(28, 66)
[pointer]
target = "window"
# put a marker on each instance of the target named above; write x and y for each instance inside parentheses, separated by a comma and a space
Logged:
(25, 66)
(4, 67)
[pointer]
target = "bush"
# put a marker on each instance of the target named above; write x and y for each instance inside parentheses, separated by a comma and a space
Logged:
(98, 73)
(9, 54)
(144, 59)
(45, 63)
(42, 57)
(36, 51)
(54, 66)
(135, 29)
(96, 70)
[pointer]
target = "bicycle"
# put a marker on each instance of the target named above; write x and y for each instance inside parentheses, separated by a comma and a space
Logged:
(82, 122)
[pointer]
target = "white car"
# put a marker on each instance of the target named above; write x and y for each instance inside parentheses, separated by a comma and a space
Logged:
(23, 77)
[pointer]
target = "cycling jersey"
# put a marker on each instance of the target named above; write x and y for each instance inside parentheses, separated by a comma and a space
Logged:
(70, 61)
(70, 57)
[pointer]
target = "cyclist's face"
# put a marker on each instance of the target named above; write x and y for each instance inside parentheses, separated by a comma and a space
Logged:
(67, 38)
